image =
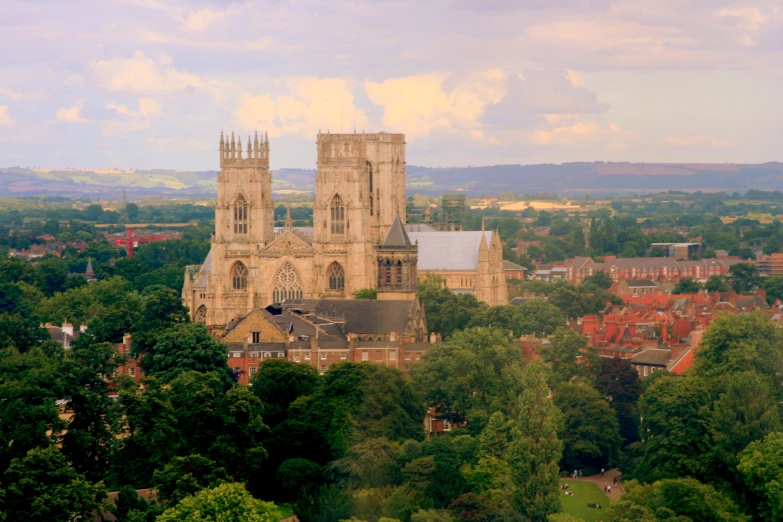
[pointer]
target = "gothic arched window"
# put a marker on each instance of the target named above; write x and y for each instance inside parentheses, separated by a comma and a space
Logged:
(338, 215)
(201, 314)
(287, 286)
(240, 215)
(368, 171)
(399, 272)
(336, 277)
(239, 277)
(387, 272)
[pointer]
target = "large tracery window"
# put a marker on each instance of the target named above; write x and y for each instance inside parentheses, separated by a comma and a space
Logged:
(338, 215)
(201, 314)
(239, 277)
(287, 286)
(240, 215)
(336, 277)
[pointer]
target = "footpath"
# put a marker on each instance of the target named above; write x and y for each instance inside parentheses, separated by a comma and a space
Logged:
(601, 482)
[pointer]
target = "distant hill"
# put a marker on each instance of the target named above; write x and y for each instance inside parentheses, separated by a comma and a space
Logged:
(566, 179)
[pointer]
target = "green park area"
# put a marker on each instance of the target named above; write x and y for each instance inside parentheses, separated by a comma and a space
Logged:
(584, 493)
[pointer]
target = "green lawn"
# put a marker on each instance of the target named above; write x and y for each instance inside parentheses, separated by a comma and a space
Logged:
(286, 509)
(584, 493)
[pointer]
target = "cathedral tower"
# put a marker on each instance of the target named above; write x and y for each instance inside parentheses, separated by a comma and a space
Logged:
(244, 220)
(360, 189)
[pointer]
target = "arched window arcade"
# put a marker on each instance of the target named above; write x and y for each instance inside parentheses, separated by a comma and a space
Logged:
(337, 215)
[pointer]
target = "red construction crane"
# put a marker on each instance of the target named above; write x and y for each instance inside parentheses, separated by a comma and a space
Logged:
(132, 242)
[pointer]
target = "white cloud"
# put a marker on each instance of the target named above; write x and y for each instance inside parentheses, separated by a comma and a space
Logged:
(259, 44)
(141, 74)
(575, 132)
(21, 95)
(201, 20)
(5, 118)
(750, 18)
(70, 115)
(698, 142)
(574, 77)
(417, 105)
(309, 105)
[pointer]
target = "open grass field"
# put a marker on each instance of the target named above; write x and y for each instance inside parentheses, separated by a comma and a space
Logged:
(286, 509)
(584, 493)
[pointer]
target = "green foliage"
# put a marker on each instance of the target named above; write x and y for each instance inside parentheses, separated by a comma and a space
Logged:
(580, 300)
(537, 317)
(41, 486)
(295, 476)
(744, 277)
(29, 387)
(475, 374)
(736, 343)
(687, 285)
(225, 502)
(280, 382)
(717, 283)
(185, 476)
(591, 433)
(619, 383)
(366, 293)
(185, 347)
(570, 356)
(447, 312)
(682, 499)
(535, 450)
(600, 279)
(675, 428)
(327, 504)
(761, 466)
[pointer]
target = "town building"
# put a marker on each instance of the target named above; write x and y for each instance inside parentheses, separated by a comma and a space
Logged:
(513, 270)
(635, 268)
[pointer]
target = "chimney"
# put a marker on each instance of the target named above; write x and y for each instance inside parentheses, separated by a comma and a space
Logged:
(665, 333)
(68, 328)
(126, 342)
(433, 338)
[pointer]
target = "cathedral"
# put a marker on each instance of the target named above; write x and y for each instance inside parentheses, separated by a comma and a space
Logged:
(359, 239)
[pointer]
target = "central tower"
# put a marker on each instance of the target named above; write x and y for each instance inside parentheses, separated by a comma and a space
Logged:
(360, 189)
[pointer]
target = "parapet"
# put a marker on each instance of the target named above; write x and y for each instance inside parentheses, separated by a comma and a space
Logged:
(257, 154)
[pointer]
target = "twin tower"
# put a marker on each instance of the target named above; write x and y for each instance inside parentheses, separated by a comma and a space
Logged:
(360, 195)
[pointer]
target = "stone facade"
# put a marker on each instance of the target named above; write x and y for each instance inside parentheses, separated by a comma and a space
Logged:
(360, 193)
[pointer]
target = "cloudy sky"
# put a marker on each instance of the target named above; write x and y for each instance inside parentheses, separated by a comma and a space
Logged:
(150, 83)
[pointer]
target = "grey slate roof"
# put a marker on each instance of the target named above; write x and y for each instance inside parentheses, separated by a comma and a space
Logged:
(640, 283)
(363, 316)
(449, 250)
(420, 227)
(397, 235)
(653, 356)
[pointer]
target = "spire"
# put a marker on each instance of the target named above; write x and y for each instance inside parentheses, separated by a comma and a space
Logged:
(249, 150)
(222, 141)
(482, 223)
(233, 146)
(266, 141)
(397, 235)
(89, 272)
(289, 223)
(239, 147)
(255, 146)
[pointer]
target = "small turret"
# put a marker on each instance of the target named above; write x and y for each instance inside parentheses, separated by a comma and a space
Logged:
(232, 153)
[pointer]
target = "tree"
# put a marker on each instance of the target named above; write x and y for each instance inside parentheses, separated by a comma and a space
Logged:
(600, 279)
(681, 499)
(773, 286)
(591, 433)
(89, 370)
(368, 464)
(475, 374)
(537, 317)
(162, 308)
(225, 502)
(761, 466)
(366, 293)
(675, 428)
(132, 211)
(280, 382)
(744, 277)
(687, 285)
(185, 476)
(29, 387)
(619, 384)
(185, 347)
(717, 283)
(536, 450)
(570, 356)
(736, 343)
(297, 475)
(41, 486)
